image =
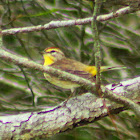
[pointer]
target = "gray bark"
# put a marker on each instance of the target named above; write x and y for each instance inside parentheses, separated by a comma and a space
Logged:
(73, 112)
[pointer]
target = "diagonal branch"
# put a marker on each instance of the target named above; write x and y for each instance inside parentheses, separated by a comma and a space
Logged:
(22, 61)
(67, 23)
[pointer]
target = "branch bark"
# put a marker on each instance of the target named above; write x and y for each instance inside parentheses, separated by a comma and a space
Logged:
(76, 111)
(58, 24)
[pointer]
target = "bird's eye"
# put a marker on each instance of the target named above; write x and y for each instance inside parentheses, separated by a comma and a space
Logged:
(52, 51)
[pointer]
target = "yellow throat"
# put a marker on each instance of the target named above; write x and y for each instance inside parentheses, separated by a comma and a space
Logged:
(48, 60)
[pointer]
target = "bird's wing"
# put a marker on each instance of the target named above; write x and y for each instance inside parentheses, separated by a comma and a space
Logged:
(73, 67)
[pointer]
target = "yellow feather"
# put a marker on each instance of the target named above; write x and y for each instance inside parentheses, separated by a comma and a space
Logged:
(48, 60)
(92, 70)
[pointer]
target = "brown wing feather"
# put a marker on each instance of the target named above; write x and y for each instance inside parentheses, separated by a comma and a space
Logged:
(73, 67)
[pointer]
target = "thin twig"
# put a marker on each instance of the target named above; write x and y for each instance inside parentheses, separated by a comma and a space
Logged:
(29, 86)
(94, 25)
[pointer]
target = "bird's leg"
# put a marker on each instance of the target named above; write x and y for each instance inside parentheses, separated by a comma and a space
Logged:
(72, 92)
(82, 90)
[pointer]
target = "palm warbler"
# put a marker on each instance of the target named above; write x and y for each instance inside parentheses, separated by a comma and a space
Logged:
(54, 57)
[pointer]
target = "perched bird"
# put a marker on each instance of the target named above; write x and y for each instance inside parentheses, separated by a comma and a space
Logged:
(55, 58)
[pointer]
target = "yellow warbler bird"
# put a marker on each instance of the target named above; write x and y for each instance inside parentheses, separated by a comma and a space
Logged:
(55, 58)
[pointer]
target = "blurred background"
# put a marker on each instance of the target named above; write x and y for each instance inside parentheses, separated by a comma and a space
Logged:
(120, 45)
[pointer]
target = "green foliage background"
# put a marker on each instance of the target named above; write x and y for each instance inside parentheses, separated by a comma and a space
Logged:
(120, 43)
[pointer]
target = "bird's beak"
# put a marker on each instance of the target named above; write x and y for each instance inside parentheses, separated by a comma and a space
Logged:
(42, 52)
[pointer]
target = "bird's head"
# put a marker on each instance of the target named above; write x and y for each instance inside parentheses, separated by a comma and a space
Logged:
(52, 54)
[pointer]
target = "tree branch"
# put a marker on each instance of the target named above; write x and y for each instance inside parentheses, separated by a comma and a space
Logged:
(21, 61)
(74, 112)
(67, 23)
(97, 44)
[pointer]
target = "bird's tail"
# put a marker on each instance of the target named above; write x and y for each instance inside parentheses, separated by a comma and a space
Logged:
(107, 68)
